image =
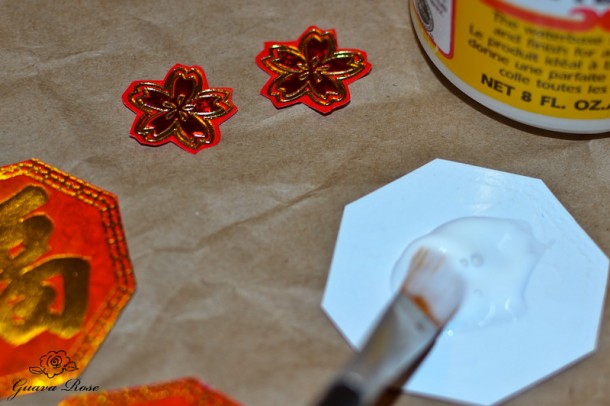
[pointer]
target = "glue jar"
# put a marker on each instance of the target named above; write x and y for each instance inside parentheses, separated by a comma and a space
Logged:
(544, 63)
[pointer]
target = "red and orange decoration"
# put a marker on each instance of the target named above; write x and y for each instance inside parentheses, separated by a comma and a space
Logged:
(65, 274)
(312, 70)
(181, 109)
(182, 392)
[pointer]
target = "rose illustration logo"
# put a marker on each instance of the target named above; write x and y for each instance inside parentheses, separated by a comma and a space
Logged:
(54, 363)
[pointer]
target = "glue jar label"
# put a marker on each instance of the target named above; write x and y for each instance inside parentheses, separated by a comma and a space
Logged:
(545, 63)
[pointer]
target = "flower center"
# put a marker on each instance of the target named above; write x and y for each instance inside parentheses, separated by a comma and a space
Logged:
(314, 71)
(178, 107)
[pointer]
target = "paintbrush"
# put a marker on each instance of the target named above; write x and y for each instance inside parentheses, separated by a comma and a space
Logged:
(429, 296)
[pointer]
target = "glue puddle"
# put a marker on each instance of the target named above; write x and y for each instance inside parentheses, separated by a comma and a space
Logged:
(495, 258)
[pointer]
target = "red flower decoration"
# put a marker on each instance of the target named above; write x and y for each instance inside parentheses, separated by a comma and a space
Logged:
(311, 70)
(179, 109)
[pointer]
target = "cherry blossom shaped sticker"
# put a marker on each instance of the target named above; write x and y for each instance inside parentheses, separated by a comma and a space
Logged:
(179, 109)
(311, 70)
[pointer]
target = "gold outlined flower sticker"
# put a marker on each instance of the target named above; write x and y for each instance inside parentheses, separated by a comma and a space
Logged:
(54, 363)
(311, 70)
(179, 109)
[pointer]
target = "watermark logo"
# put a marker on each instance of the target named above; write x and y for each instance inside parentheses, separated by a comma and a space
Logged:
(54, 363)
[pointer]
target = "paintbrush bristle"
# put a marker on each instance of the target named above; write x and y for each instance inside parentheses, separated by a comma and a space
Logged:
(433, 285)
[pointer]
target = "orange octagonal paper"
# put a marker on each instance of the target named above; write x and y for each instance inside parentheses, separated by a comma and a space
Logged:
(65, 275)
(181, 392)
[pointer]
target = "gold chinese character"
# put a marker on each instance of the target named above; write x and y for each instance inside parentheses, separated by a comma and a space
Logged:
(27, 296)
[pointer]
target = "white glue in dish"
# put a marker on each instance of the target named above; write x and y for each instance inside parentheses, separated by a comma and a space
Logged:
(543, 63)
(493, 256)
(535, 281)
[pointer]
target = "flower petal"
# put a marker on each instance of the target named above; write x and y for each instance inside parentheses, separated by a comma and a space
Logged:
(284, 59)
(212, 103)
(185, 85)
(343, 65)
(288, 87)
(318, 47)
(195, 131)
(149, 96)
(325, 90)
(155, 128)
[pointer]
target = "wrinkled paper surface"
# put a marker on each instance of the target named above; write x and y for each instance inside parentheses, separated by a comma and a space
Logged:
(231, 247)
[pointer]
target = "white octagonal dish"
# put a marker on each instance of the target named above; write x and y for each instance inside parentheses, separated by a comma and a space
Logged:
(564, 295)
